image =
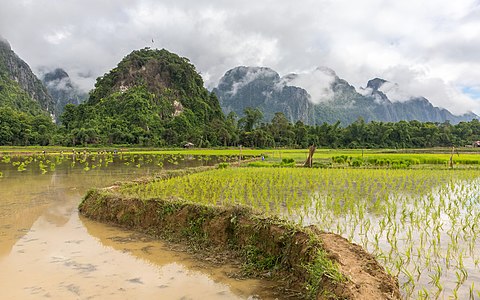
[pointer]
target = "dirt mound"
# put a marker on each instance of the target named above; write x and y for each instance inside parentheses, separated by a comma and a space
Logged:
(368, 279)
(319, 265)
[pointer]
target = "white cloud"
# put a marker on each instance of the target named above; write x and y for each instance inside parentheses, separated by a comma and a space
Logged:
(57, 36)
(318, 83)
(360, 40)
(405, 83)
(251, 75)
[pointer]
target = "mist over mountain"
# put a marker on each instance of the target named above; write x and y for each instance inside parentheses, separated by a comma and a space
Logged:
(314, 97)
(259, 87)
(321, 96)
(62, 89)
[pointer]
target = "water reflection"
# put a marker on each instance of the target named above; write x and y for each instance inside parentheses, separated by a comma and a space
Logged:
(176, 264)
(46, 250)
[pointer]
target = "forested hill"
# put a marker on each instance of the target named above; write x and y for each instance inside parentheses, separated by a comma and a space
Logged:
(25, 106)
(20, 89)
(152, 98)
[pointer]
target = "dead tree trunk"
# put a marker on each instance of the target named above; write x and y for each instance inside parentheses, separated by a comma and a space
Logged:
(309, 161)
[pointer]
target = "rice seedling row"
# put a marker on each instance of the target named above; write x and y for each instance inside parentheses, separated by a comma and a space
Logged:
(422, 225)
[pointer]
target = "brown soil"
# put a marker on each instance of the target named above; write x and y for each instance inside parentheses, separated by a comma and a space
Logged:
(266, 246)
(368, 279)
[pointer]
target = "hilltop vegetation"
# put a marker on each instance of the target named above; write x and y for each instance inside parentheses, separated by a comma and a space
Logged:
(152, 98)
(23, 120)
(156, 98)
(20, 89)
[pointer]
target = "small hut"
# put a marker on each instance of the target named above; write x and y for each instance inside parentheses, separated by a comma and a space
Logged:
(476, 144)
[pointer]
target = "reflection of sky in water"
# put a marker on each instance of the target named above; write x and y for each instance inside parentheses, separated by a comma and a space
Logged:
(47, 251)
(448, 207)
(64, 262)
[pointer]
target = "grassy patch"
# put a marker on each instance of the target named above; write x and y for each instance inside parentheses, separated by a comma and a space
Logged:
(320, 268)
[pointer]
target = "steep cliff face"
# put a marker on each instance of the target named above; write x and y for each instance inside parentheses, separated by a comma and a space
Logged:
(263, 88)
(416, 108)
(62, 89)
(321, 96)
(17, 75)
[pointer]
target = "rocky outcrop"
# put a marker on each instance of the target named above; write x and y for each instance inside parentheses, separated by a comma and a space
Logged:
(62, 90)
(321, 96)
(15, 69)
(416, 108)
(262, 88)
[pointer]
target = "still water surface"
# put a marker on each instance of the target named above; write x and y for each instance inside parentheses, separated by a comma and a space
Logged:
(48, 251)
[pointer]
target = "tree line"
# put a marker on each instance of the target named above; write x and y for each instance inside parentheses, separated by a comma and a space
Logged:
(359, 134)
(134, 126)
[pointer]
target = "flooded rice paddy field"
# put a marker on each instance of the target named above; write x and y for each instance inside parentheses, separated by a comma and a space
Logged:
(48, 251)
(422, 225)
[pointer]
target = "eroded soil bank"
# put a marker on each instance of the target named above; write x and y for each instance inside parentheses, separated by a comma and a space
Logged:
(47, 251)
(318, 265)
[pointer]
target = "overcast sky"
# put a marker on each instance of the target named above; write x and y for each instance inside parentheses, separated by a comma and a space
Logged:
(428, 47)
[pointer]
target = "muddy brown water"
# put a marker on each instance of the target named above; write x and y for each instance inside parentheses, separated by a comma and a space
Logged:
(48, 251)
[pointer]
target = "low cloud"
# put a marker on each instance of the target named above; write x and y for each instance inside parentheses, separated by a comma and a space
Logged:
(318, 83)
(395, 93)
(439, 38)
(251, 74)
(405, 83)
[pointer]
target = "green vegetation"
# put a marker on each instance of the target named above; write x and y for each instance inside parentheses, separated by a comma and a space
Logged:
(152, 98)
(39, 163)
(155, 98)
(22, 121)
(321, 267)
(11, 94)
(287, 252)
(413, 134)
(376, 206)
(380, 209)
(134, 118)
(324, 158)
(377, 198)
(19, 128)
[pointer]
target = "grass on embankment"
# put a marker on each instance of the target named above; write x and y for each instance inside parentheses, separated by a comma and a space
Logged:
(294, 254)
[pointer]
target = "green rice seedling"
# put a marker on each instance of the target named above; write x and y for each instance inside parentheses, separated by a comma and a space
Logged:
(435, 278)
(408, 218)
(471, 291)
(43, 167)
(21, 167)
(423, 294)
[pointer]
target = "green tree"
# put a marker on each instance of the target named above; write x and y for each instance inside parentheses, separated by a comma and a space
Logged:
(252, 117)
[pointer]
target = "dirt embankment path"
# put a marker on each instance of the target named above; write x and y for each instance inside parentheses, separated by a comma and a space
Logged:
(315, 264)
(368, 280)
